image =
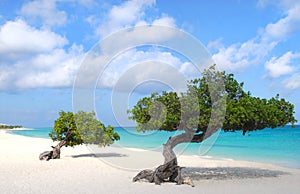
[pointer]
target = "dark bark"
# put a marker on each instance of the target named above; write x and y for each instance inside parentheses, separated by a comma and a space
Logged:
(170, 171)
(161, 174)
(55, 152)
(47, 155)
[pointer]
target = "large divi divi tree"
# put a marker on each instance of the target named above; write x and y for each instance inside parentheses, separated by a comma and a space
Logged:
(215, 101)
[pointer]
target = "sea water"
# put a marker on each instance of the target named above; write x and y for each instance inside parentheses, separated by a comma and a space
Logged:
(279, 146)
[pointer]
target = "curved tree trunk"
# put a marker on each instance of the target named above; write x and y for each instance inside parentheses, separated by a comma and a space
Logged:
(55, 152)
(170, 171)
(172, 142)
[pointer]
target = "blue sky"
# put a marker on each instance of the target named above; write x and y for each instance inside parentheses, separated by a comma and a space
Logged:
(43, 42)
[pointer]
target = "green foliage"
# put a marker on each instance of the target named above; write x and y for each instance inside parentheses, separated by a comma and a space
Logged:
(252, 113)
(10, 126)
(155, 107)
(63, 126)
(216, 91)
(81, 128)
(92, 131)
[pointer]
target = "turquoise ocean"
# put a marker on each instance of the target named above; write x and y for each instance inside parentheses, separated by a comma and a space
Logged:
(280, 146)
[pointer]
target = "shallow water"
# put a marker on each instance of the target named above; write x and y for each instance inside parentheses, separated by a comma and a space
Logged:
(279, 146)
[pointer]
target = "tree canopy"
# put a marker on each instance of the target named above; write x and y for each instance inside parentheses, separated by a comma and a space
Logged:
(92, 131)
(215, 101)
(243, 111)
(81, 128)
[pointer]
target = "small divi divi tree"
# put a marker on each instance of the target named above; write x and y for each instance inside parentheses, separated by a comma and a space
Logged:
(74, 129)
(215, 101)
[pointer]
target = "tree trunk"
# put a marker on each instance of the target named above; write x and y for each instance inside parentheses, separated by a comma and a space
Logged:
(172, 142)
(55, 153)
(170, 171)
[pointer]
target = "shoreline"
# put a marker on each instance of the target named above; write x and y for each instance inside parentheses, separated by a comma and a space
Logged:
(15, 129)
(80, 171)
(262, 161)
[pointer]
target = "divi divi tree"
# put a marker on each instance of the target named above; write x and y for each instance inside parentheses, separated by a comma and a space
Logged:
(214, 101)
(74, 129)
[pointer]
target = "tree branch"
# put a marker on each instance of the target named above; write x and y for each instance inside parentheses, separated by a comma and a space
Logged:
(203, 136)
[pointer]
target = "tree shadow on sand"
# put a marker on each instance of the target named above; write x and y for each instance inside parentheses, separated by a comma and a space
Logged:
(225, 173)
(99, 155)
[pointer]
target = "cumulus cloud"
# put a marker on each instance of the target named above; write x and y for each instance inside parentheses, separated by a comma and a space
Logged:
(46, 11)
(32, 57)
(151, 76)
(292, 82)
(56, 69)
(128, 63)
(44, 58)
(130, 14)
(240, 55)
(286, 25)
(53, 70)
(165, 21)
(18, 38)
(279, 66)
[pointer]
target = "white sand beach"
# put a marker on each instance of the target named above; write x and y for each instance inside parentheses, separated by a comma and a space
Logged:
(80, 171)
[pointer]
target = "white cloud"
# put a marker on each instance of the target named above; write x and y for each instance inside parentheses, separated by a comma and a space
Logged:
(59, 71)
(41, 59)
(130, 60)
(293, 82)
(130, 14)
(32, 57)
(147, 73)
(92, 20)
(54, 69)
(238, 56)
(226, 58)
(17, 39)
(279, 66)
(164, 21)
(281, 4)
(45, 10)
(125, 15)
(286, 25)
(189, 70)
